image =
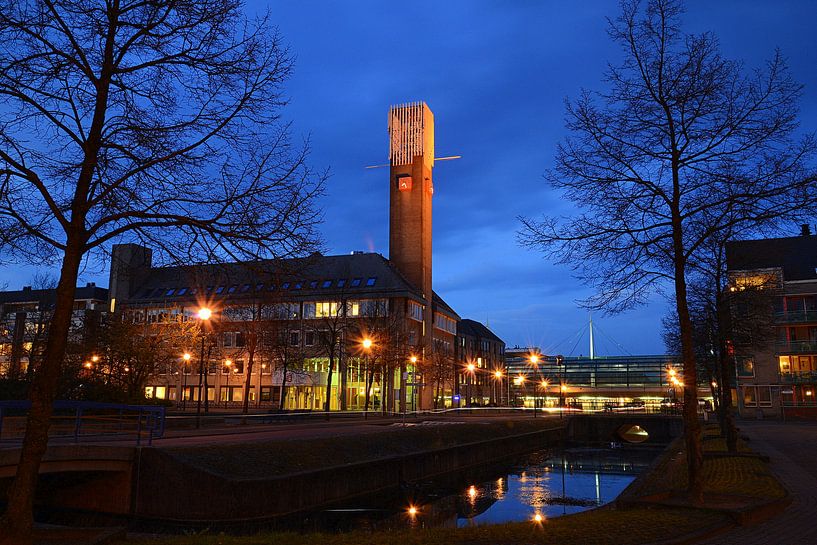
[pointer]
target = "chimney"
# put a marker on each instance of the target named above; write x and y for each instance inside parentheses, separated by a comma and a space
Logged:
(805, 230)
(90, 285)
(26, 288)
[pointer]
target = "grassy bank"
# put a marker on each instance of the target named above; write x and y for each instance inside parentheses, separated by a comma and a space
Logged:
(280, 457)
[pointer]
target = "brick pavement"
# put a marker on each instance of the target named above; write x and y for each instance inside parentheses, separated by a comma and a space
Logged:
(791, 448)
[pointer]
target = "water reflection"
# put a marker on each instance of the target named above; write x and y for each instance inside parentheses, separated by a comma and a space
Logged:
(541, 486)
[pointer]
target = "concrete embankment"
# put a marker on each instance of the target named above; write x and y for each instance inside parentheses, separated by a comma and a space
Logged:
(168, 487)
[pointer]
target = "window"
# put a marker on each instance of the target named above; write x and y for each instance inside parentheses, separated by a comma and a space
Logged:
(297, 286)
(220, 290)
(238, 367)
(745, 367)
(245, 288)
(294, 338)
(313, 284)
(764, 396)
(229, 339)
(415, 311)
(266, 393)
(749, 396)
(240, 339)
(181, 291)
(259, 287)
(232, 288)
(285, 286)
(371, 281)
(341, 282)
(356, 282)
(445, 323)
(326, 284)
(266, 369)
(374, 307)
(169, 292)
(309, 338)
(326, 309)
(309, 310)
(281, 311)
(353, 308)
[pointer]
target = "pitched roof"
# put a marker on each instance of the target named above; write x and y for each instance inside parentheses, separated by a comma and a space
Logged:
(797, 256)
(472, 328)
(27, 295)
(309, 277)
(441, 306)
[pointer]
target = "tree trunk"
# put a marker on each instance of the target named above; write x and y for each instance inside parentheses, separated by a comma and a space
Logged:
(17, 523)
(726, 404)
(692, 427)
(250, 358)
(343, 367)
(327, 402)
(283, 388)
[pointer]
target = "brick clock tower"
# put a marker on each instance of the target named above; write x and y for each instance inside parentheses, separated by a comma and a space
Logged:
(411, 159)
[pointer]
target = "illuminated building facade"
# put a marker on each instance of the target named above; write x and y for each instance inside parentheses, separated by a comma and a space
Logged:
(320, 309)
(24, 318)
(598, 383)
(776, 364)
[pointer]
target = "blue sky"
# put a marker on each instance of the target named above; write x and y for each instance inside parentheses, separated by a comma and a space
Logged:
(496, 75)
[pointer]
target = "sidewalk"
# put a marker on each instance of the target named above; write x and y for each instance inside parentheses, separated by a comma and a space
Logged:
(791, 448)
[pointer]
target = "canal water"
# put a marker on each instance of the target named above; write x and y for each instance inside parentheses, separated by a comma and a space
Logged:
(545, 484)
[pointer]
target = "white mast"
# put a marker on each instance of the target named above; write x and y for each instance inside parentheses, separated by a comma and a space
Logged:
(592, 344)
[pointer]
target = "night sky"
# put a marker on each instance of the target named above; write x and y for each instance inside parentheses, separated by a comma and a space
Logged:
(496, 75)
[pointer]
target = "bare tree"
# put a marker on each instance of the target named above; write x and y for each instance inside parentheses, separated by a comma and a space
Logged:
(680, 147)
(154, 121)
(441, 371)
(130, 353)
(329, 327)
(277, 347)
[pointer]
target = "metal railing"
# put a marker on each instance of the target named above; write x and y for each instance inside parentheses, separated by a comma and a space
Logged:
(796, 316)
(802, 377)
(87, 420)
(797, 347)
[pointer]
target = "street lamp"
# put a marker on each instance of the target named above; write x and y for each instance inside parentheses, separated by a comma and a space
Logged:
(204, 315)
(414, 373)
(366, 343)
(471, 370)
(186, 358)
(227, 364)
(498, 377)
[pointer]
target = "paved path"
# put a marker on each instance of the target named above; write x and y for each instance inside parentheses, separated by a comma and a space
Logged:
(792, 449)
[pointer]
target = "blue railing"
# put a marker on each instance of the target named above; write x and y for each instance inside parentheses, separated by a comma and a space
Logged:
(89, 419)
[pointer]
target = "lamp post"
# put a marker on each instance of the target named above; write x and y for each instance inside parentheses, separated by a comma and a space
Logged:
(186, 359)
(534, 361)
(204, 315)
(498, 377)
(413, 360)
(366, 344)
(471, 376)
(519, 381)
(227, 363)
(544, 384)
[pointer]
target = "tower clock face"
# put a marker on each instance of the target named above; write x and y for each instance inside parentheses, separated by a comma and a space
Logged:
(404, 182)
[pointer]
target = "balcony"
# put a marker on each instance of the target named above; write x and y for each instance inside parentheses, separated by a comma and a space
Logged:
(795, 316)
(797, 347)
(799, 377)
